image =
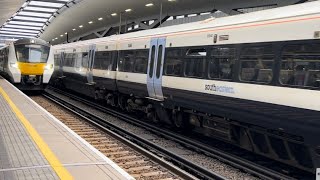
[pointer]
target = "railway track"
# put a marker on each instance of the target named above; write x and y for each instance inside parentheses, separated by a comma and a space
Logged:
(137, 162)
(203, 172)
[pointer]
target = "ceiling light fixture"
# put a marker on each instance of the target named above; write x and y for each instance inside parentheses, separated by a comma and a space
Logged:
(149, 5)
(74, 29)
(66, 33)
(61, 35)
(128, 10)
(90, 22)
(81, 26)
(113, 14)
(100, 19)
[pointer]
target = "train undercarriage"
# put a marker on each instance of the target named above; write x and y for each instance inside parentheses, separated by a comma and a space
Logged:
(275, 144)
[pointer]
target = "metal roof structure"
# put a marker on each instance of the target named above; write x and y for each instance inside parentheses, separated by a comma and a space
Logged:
(100, 18)
(32, 18)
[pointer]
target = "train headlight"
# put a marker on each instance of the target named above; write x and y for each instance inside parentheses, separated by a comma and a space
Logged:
(14, 65)
(48, 67)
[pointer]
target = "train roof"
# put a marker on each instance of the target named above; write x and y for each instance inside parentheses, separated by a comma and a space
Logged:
(32, 41)
(304, 9)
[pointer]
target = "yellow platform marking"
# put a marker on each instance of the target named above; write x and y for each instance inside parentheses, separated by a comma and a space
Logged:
(61, 171)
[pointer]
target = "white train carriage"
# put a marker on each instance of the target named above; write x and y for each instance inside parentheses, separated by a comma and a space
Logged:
(27, 63)
(252, 80)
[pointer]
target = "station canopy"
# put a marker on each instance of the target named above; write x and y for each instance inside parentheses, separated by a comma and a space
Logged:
(31, 18)
(61, 21)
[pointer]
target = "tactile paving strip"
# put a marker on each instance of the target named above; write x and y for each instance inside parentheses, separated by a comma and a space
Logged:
(19, 155)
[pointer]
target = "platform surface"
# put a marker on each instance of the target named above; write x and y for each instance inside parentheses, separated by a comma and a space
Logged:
(22, 155)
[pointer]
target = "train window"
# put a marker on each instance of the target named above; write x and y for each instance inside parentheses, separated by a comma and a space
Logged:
(173, 62)
(256, 64)
(107, 62)
(221, 63)
(153, 55)
(78, 60)
(194, 62)
(69, 60)
(160, 52)
(85, 60)
(103, 60)
(127, 59)
(57, 59)
(300, 65)
(141, 63)
(201, 52)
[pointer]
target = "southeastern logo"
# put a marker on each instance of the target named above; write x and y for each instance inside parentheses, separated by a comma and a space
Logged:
(221, 89)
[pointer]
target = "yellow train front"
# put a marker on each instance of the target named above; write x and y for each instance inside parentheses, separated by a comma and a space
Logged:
(27, 63)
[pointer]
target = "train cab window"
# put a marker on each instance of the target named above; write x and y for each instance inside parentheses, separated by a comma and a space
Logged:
(300, 65)
(194, 62)
(256, 64)
(173, 64)
(32, 53)
(221, 63)
(127, 59)
(141, 63)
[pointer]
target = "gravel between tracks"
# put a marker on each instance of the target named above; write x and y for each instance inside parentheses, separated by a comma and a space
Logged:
(137, 165)
(209, 163)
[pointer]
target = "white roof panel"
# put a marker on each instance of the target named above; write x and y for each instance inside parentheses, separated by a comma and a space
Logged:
(31, 18)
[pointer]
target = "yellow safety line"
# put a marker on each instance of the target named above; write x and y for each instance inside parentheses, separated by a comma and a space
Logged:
(61, 171)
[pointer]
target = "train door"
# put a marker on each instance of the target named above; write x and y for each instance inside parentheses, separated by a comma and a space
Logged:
(155, 68)
(91, 56)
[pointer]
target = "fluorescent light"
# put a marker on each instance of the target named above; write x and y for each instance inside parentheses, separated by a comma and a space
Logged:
(149, 5)
(66, 33)
(114, 14)
(19, 33)
(171, 0)
(81, 26)
(26, 23)
(90, 22)
(35, 14)
(23, 27)
(74, 29)
(19, 30)
(128, 10)
(100, 19)
(47, 4)
(56, 38)
(61, 35)
(30, 18)
(8, 35)
(40, 9)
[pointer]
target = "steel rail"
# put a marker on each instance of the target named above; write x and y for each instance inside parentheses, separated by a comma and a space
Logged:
(149, 147)
(234, 161)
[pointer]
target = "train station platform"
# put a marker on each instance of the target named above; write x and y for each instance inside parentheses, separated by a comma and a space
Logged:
(35, 145)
